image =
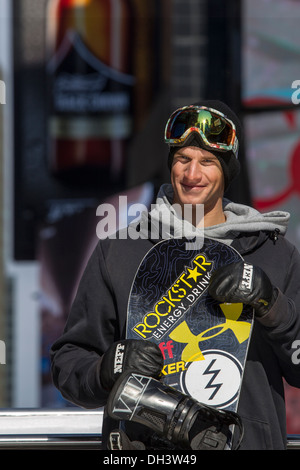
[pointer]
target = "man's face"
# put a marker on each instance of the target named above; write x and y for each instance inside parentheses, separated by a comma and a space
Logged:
(197, 178)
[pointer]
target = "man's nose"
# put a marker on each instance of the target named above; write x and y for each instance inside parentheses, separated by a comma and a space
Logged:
(194, 170)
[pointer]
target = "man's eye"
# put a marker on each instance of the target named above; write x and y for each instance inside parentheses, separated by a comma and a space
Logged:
(182, 158)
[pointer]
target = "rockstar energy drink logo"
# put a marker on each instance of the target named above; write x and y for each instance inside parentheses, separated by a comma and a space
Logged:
(171, 307)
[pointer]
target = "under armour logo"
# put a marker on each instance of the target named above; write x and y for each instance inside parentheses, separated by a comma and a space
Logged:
(192, 351)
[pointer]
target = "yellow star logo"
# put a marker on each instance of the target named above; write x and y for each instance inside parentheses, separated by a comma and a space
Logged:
(193, 273)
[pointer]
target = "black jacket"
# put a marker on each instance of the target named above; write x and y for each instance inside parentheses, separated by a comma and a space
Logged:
(98, 318)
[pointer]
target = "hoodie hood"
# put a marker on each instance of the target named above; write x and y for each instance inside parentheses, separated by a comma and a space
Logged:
(244, 219)
(168, 223)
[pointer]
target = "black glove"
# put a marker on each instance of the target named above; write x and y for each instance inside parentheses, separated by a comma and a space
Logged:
(130, 355)
(244, 283)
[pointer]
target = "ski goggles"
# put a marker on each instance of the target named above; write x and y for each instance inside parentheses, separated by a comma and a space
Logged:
(216, 130)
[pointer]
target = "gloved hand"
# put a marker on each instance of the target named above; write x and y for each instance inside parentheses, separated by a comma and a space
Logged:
(135, 355)
(243, 283)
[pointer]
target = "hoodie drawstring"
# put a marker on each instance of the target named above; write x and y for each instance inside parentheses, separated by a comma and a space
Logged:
(274, 235)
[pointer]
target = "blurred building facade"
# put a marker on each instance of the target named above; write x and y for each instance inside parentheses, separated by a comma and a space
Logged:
(180, 51)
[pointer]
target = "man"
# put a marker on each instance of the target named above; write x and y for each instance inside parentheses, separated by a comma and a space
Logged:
(203, 144)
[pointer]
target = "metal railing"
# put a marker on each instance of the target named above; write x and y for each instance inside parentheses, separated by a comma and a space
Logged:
(61, 430)
(293, 442)
(51, 429)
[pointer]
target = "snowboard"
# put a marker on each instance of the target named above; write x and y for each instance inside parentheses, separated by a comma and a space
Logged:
(204, 343)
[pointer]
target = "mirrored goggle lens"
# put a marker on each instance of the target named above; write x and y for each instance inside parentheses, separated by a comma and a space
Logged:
(214, 129)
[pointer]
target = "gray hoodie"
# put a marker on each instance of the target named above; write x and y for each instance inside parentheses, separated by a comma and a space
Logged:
(167, 220)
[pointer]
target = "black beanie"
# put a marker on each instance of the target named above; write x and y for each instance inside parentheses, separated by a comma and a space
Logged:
(230, 164)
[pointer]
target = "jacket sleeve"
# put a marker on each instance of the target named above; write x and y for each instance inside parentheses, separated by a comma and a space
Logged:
(282, 322)
(91, 327)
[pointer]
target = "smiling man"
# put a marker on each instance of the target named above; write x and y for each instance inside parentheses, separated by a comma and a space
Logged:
(203, 142)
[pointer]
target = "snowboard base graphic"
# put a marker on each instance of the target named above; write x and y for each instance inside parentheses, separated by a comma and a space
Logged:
(204, 343)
